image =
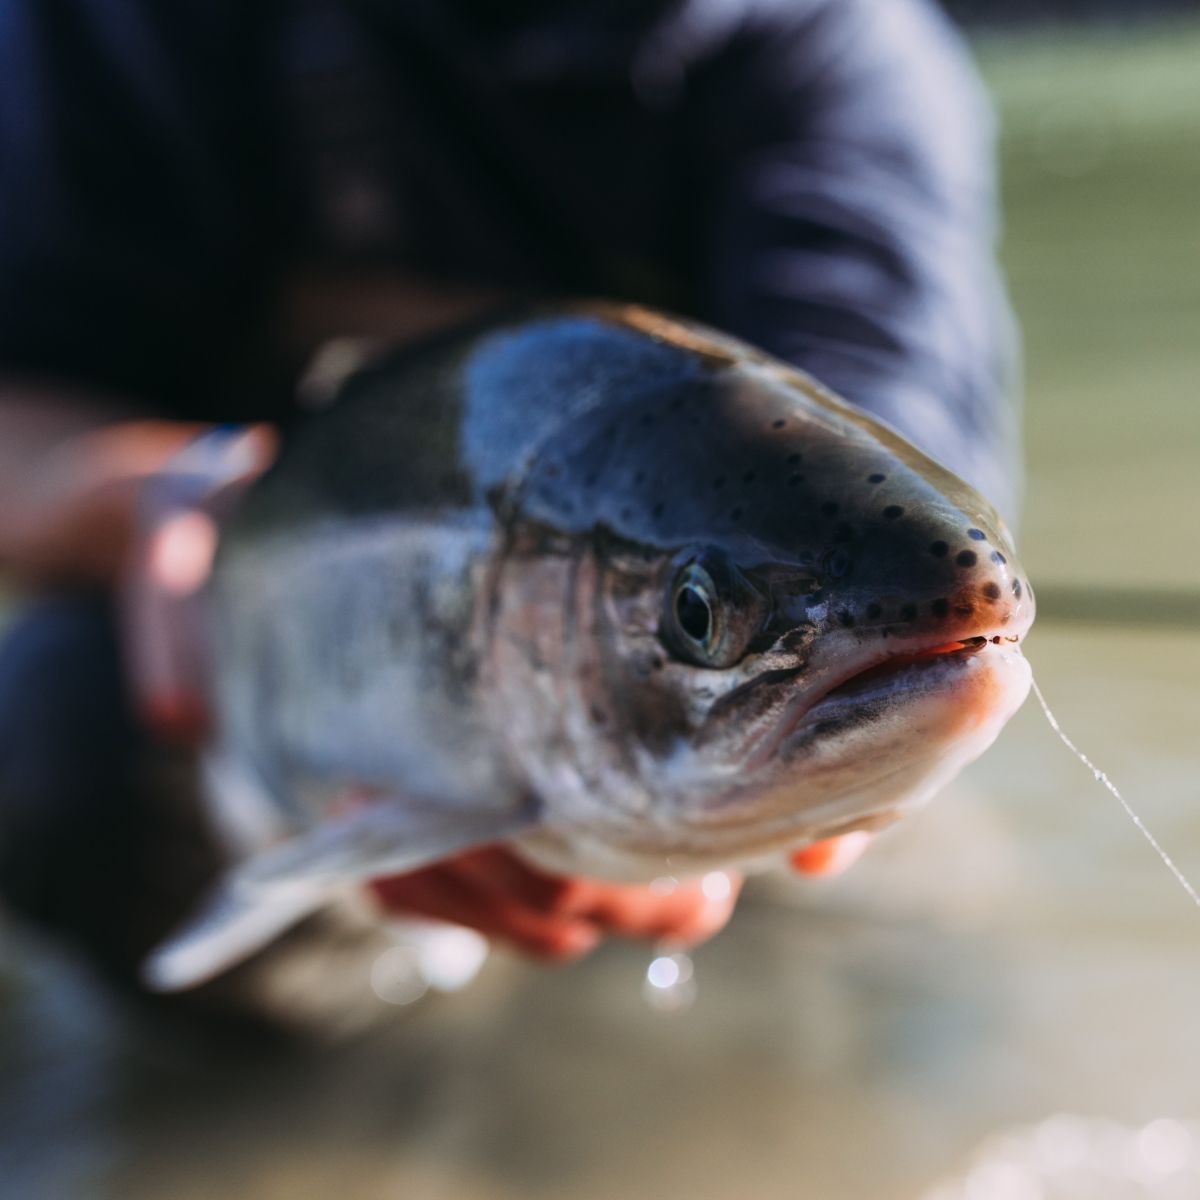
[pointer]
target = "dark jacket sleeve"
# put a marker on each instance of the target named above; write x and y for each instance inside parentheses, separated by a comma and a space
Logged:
(851, 221)
(838, 185)
(128, 177)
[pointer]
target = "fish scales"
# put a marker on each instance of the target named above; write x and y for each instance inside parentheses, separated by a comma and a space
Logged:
(613, 587)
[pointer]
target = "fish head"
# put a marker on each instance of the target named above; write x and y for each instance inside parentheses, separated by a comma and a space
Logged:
(761, 618)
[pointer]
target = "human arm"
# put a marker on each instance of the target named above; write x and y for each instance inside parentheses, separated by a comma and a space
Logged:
(850, 224)
(70, 467)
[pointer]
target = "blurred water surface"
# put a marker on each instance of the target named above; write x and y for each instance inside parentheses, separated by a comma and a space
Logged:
(1101, 160)
(1013, 953)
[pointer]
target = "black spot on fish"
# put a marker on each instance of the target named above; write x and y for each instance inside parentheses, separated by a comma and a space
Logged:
(991, 591)
(1017, 588)
(778, 424)
(736, 515)
(748, 477)
(626, 514)
(940, 608)
(847, 619)
(908, 612)
(876, 478)
(874, 610)
(657, 510)
(599, 716)
(829, 508)
(997, 557)
(966, 558)
(793, 459)
(795, 479)
(640, 477)
(976, 534)
(589, 480)
(676, 404)
(553, 469)
(893, 511)
(939, 549)
(719, 482)
(839, 562)
(647, 418)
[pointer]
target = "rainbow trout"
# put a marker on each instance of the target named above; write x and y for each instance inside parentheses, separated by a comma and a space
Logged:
(614, 588)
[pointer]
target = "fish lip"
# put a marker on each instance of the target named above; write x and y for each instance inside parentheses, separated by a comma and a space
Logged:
(958, 648)
(926, 653)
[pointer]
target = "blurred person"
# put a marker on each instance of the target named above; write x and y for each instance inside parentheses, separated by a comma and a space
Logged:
(194, 196)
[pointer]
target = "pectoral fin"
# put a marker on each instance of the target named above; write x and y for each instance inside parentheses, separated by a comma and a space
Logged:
(267, 894)
(232, 923)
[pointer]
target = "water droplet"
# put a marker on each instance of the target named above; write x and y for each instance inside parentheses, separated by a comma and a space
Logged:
(1062, 1141)
(1002, 1181)
(669, 987)
(663, 973)
(396, 976)
(1164, 1146)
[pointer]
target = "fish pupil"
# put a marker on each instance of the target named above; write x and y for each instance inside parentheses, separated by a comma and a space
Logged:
(693, 612)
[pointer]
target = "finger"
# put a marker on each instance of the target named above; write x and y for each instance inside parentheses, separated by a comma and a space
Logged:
(538, 911)
(693, 911)
(721, 890)
(445, 894)
(831, 856)
(497, 869)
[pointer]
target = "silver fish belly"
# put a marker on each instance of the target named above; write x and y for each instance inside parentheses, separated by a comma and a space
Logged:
(612, 587)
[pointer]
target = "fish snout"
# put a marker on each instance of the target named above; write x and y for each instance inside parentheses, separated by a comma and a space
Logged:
(983, 610)
(942, 580)
(985, 592)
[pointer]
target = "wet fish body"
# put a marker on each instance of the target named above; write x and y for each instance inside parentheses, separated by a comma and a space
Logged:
(613, 587)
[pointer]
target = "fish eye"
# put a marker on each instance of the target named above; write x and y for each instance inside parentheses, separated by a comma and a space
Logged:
(713, 612)
(694, 611)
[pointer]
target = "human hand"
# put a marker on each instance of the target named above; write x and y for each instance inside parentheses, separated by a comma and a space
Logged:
(557, 917)
(68, 496)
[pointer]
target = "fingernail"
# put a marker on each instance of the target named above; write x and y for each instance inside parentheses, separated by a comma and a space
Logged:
(831, 856)
(579, 940)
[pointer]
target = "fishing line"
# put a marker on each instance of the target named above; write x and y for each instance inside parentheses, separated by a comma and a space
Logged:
(1108, 783)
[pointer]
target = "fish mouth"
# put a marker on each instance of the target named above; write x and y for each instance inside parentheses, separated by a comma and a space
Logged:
(962, 649)
(867, 679)
(943, 653)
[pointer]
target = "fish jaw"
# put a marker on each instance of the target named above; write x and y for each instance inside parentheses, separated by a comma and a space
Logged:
(840, 657)
(854, 760)
(872, 727)
(859, 758)
(856, 749)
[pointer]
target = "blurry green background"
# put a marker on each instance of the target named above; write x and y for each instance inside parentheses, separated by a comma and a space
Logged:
(1014, 953)
(1101, 173)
